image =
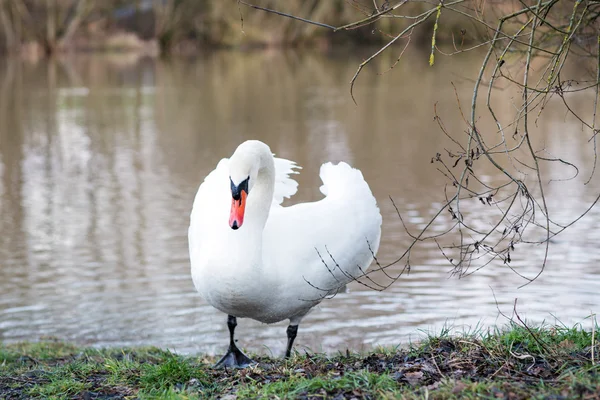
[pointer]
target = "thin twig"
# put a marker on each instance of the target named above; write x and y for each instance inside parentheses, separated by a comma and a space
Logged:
(288, 15)
(533, 335)
(593, 338)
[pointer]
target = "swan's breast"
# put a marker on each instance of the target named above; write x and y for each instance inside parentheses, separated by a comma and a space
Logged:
(247, 292)
(231, 287)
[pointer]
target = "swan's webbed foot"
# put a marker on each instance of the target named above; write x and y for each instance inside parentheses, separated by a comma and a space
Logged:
(234, 358)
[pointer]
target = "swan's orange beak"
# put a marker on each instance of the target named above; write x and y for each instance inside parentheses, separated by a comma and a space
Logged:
(236, 217)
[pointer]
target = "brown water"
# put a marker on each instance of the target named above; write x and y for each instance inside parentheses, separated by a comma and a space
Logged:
(100, 158)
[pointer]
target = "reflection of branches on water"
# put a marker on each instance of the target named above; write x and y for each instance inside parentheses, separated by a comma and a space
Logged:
(551, 32)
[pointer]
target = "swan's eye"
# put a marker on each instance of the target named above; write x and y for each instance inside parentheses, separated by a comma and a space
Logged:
(236, 190)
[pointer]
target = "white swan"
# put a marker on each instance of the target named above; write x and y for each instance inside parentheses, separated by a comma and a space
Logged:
(253, 258)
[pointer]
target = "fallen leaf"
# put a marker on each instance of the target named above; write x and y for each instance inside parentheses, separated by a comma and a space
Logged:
(459, 387)
(413, 378)
(566, 344)
(434, 385)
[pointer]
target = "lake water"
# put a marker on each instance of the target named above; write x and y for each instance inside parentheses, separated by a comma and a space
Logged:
(101, 156)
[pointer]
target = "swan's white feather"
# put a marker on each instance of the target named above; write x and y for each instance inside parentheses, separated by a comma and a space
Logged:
(309, 250)
(285, 187)
(317, 248)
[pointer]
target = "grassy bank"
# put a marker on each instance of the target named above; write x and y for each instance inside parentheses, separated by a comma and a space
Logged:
(516, 363)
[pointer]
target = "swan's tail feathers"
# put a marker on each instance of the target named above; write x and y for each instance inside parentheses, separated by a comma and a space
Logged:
(285, 187)
(346, 187)
(343, 180)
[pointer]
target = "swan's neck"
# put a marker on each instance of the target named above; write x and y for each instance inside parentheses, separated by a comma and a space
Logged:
(260, 199)
(248, 239)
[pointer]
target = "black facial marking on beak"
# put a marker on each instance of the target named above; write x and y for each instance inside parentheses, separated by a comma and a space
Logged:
(237, 190)
(234, 226)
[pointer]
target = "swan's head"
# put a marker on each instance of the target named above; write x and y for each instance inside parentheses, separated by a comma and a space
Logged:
(244, 165)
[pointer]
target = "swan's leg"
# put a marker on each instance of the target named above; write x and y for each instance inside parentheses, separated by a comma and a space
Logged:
(292, 330)
(234, 358)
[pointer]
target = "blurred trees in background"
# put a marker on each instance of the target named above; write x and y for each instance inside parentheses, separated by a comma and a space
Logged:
(180, 25)
(57, 25)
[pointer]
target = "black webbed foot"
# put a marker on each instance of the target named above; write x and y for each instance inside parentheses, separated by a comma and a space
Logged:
(234, 358)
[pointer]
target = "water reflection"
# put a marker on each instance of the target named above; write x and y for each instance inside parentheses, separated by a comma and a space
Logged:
(100, 159)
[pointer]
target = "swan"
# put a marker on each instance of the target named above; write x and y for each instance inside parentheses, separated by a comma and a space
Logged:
(253, 258)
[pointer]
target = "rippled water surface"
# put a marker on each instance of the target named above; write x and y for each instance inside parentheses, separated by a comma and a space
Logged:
(100, 158)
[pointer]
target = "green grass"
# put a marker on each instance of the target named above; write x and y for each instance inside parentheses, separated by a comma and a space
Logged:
(516, 362)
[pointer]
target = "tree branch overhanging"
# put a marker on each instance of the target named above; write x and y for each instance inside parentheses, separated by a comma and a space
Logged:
(544, 31)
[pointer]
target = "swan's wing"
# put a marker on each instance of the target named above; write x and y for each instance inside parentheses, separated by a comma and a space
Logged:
(285, 187)
(316, 248)
(210, 211)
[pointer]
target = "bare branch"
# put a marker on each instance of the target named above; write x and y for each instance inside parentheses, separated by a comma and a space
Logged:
(527, 49)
